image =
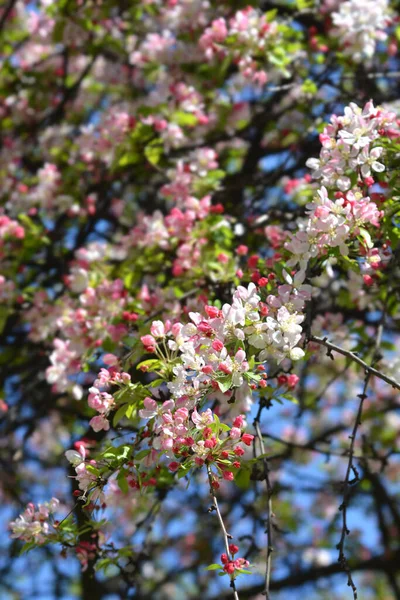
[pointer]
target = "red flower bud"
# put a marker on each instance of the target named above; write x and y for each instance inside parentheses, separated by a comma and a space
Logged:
(238, 422)
(217, 345)
(229, 568)
(247, 438)
(217, 209)
(224, 559)
(212, 311)
(210, 443)
(253, 261)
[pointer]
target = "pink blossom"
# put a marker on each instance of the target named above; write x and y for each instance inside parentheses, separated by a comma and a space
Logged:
(99, 422)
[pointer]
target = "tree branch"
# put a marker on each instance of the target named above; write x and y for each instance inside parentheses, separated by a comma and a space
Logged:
(369, 369)
(226, 535)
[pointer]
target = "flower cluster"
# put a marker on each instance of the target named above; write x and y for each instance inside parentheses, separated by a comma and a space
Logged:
(102, 401)
(348, 158)
(349, 146)
(84, 322)
(252, 41)
(9, 229)
(128, 121)
(196, 439)
(360, 26)
(214, 349)
(233, 566)
(44, 195)
(34, 524)
(187, 175)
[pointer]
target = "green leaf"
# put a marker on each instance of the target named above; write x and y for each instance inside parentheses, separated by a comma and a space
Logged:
(225, 383)
(27, 546)
(120, 453)
(103, 564)
(130, 410)
(122, 481)
(120, 414)
(290, 397)
(213, 567)
(153, 152)
(184, 119)
(142, 454)
(156, 382)
(224, 427)
(244, 571)
(242, 479)
(130, 158)
(183, 470)
(151, 363)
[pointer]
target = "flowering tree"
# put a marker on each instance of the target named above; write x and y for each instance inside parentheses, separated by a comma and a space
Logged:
(199, 298)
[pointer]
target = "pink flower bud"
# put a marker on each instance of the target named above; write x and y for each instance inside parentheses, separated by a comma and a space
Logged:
(217, 345)
(292, 380)
(204, 327)
(224, 368)
(238, 422)
(212, 311)
(149, 342)
(125, 377)
(368, 280)
(157, 329)
(210, 443)
(207, 431)
(176, 329)
(98, 423)
(235, 433)
(110, 360)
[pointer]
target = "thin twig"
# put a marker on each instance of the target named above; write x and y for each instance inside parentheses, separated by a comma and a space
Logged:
(348, 483)
(310, 447)
(369, 369)
(227, 536)
(269, 532)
